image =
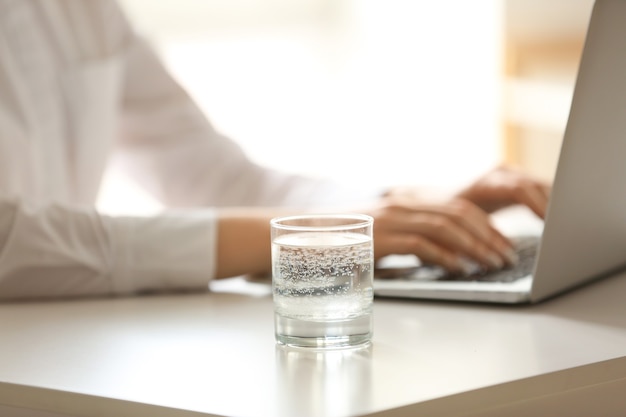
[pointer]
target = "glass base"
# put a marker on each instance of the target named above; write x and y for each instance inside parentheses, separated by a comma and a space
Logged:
(354, 332)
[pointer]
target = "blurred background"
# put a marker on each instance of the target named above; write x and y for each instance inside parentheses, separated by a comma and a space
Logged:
(381, 91)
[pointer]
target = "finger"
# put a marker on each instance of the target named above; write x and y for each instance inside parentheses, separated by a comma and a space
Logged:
(479, 222)
(460, 227)
(427, 251)
(546, 191)
(486, 243)
(534, 197)
(447, 233)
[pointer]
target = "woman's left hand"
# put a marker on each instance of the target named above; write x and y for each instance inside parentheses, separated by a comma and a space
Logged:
(505, 186)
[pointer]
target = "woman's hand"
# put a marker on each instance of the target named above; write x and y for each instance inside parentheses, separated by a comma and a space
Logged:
(505, 186)
(447, 234)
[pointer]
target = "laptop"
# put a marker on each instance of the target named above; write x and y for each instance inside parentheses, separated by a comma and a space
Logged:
(584, 233)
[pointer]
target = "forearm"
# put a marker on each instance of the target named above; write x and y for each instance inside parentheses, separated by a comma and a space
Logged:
(243, 242)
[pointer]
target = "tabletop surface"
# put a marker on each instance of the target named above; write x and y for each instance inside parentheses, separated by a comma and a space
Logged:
(214, 353)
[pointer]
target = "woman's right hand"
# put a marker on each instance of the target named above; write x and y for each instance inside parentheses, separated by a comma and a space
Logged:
(447, 234)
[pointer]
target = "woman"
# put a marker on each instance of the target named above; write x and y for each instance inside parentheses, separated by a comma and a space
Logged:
(79, 86)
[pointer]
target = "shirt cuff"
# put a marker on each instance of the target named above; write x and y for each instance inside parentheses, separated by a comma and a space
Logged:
(172, 251)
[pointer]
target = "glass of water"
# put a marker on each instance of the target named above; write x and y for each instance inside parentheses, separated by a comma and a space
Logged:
(322, 272)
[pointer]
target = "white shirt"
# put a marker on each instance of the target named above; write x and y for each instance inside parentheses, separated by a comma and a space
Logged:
(76, 86)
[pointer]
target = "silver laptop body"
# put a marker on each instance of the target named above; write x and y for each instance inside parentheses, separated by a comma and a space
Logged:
(584, 235)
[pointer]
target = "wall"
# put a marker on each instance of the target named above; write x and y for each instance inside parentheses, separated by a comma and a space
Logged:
(382, 91)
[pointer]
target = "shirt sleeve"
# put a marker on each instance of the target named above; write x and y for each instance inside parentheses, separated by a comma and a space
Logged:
(171, 149)
(69, 249)
(61, 251)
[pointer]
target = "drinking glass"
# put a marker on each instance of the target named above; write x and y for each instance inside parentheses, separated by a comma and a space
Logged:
(322, 273)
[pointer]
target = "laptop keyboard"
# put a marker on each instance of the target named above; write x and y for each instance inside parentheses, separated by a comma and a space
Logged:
(525, 247)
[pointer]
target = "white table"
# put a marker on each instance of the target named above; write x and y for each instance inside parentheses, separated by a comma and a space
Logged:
(214, 354)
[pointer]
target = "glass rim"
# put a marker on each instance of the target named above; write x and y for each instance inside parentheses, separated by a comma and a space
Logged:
(360, 220)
